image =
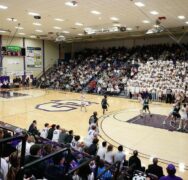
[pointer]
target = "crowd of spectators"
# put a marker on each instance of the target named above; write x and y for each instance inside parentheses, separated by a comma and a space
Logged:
(51, 138)
(159, 71)
(163, 80)
(76, 73)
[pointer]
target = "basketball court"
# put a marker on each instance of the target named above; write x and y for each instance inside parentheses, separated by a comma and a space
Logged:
(121, 125)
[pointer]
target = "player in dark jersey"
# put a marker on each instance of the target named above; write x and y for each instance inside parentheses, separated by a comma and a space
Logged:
(174, 114)
(145, 106)
(104, 104)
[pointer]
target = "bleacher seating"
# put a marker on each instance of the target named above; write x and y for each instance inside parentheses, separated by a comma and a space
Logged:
(125, 72)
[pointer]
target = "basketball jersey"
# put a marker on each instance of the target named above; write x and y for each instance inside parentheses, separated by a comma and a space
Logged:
(74, 144)
(104, 102)
(56, 134)
(44, 132)
(146, 102)
(82, 99)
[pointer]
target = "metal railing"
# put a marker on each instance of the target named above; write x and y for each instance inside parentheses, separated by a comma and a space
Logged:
(20, 173)
(23, 138)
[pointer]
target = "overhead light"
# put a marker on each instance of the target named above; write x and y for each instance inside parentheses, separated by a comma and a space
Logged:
(181, 17)
(181, 167)
(3, 7)
(145, 21)
(61, 36)
(66, 32)
(139, 4)
(59, 19)
(56, 27)
(95, 12)
(156, 25)
(154, 12)
(78, 24)
(11, 19)
(114, 18)
(18, 27)
(33, 14)
(37, 24)
(21, 33)
(71, 3)
(38, 30)
(186, 22)
(32, 36)
(2, 31)
(129, 29)
(116, 24)
(80, 34)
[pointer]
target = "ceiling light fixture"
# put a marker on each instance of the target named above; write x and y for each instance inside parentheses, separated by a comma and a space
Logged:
(114, 18)
(37, 24)
(80, 34)
(32, 36)
(129, 29)
(18, 27)
(11, 19)
(145, 21)
(59, 19)
(181, 17)
(116, 24)
(154, 12)
(38, 30)
(21, 33)
(95, 12)
(71, 3)
(66, 32)
(33, 14)
(78, 24)
(186, 22)
(56, 27)
(3, 7)
(139, 4)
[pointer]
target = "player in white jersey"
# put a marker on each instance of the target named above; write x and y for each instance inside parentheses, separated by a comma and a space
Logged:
(83, 101)
(44, 131)
(183, 115)
(76, 144)
(92, 133)
(141, 101)
(56, 134)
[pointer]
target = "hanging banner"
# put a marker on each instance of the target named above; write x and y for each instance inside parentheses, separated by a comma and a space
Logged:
(34, 57)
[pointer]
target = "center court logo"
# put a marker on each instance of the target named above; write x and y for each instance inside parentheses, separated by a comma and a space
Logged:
(62, 105)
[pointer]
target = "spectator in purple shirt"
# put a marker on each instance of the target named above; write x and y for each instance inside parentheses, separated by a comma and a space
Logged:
(171, 170)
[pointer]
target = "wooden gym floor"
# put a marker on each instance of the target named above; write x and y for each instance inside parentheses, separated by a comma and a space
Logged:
(63, 108)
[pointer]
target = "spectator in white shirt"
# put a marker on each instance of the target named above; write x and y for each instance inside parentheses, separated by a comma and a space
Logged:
(120, 155)
(109, 155)
(44, 132)
(30, 141)
(102, 150)
(56, 134)
(3, 168)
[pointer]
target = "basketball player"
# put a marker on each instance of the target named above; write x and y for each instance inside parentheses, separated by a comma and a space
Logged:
(183, 118)
(104, 104)
(174, 114)
(83, 101)
(140, 100)
(145, 106)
